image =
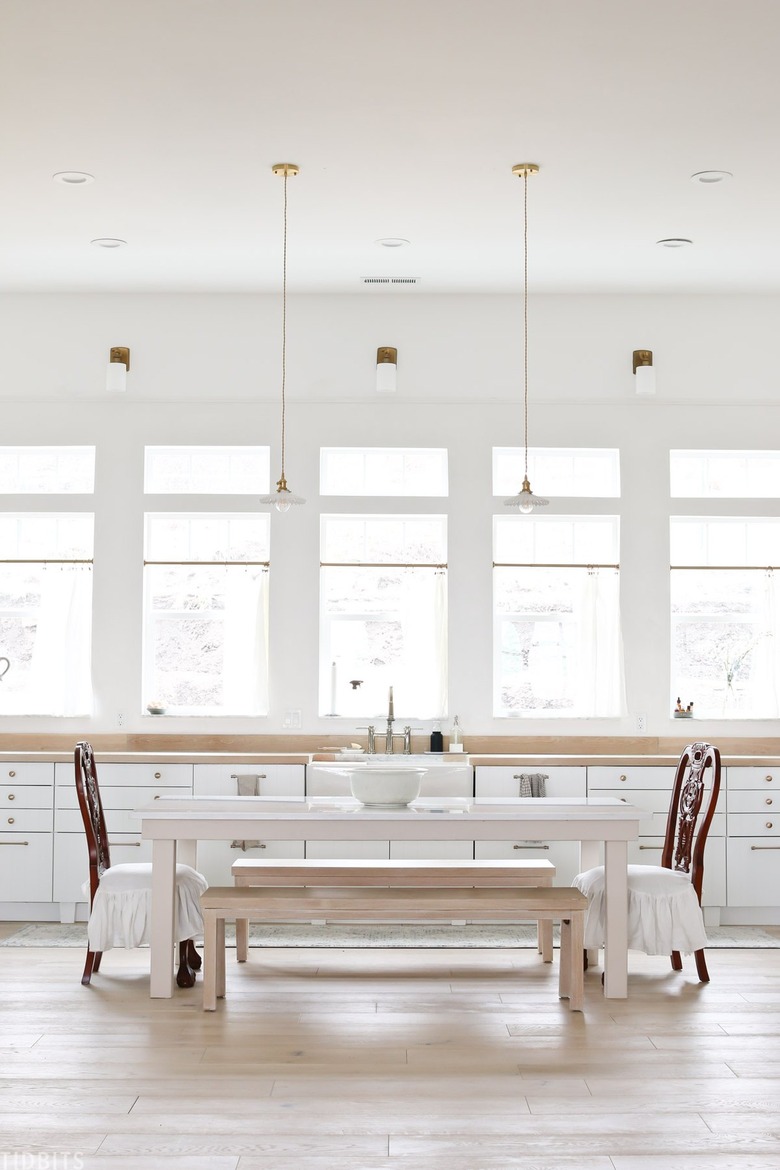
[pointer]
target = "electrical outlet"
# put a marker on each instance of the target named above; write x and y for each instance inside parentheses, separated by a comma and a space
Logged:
(120, 718)
(292, 720)
(641, 724)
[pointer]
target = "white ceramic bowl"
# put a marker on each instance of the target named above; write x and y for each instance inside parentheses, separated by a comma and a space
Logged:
(386, 787)
(350, 753)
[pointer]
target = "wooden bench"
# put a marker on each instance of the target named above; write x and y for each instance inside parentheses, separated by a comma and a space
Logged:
(376, 904)
(436, 874)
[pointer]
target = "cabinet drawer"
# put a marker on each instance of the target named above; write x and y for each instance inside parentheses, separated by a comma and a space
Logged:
(754, 800)
(564, 855)
(655, 805)
(26, 820)
(178, 775)
(25, 867)
(435, 850)
(742, 778)
(647, 851)
(753, 872)
(348, 849)
(503, 782)
(120, 796)
(627, 779)
(280, 780)
(20, 796)
(754, 824)
(216, 857)
(22, 774)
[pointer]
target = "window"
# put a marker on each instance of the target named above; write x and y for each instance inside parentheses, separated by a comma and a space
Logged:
(206, 470)
(383, 471)
(206, 613)
(39, 470)
(46, 613)
(383, 615)
(557, 636)
(721, 474)
(725, 609)
(563, 471)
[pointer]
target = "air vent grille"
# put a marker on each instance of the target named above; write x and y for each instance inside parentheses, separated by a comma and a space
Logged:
(390, 280)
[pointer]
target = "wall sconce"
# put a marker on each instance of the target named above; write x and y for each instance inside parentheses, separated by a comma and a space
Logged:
(118, 365)
(386, 369)
(644, 374)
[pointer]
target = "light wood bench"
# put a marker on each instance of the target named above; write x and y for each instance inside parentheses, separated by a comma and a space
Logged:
(397, 874)
(367, 904)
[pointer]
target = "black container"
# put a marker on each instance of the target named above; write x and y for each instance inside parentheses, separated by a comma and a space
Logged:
(437, 740)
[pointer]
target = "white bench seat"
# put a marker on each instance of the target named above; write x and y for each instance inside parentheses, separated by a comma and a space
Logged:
(424, 874)
(383, 904)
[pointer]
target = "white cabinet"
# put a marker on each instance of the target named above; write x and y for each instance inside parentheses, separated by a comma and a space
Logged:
(26, 832)
(281, 780)
(503, 782)
(123, 788)
(650, 789)
(754, 836)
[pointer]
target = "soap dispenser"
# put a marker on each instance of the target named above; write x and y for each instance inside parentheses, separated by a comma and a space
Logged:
(455, 742)
(437, 739)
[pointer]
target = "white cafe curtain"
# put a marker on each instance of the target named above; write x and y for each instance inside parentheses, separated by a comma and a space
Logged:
(61, 664)
(423, 674)
(601, 681)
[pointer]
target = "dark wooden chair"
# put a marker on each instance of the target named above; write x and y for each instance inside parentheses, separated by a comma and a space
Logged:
(120, 895)
(664, 901)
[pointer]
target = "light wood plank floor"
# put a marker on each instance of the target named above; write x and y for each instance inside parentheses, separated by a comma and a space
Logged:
(389, 1060)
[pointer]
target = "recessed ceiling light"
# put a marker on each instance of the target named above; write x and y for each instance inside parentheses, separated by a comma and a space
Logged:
(73, 178)
(392, 242)
(674, 242)
(108, 242)
(709, 177)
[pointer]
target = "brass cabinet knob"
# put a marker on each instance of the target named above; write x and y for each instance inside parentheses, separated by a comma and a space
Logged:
(11, 820)
(768, 800)
(11, 796)
(769, 825)
(768, 778)
(158, 775)
(624, 778)
(12, 773)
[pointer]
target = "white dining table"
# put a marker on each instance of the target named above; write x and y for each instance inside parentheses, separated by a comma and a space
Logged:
(174, 825)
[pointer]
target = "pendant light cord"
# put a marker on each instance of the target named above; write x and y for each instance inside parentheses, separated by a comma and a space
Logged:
(284, 319)
(525, 317)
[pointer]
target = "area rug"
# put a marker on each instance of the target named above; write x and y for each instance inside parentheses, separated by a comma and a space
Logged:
(55, 934)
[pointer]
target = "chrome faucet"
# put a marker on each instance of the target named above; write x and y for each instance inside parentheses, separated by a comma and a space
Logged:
(371, 745)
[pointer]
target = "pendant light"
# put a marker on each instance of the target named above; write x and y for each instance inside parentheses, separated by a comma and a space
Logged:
(525, 500)
(283, 498)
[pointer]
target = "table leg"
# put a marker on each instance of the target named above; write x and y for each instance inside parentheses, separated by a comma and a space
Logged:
(590, 856)
(163, 909)
(616, 919)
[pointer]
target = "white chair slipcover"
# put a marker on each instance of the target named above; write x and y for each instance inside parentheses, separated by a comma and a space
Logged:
(664, 914)
(122, 910)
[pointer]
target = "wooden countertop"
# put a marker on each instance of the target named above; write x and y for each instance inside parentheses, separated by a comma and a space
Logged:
(512, 760)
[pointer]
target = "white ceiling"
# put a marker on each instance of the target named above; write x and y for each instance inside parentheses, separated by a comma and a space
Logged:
(405, 117)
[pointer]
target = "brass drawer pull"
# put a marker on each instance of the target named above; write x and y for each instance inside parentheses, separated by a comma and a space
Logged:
(125, 844)
(14, 842)
(755, 848)
(656, 847)
(530, 846)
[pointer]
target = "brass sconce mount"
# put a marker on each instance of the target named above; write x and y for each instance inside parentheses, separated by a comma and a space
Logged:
(642, 357)
(120, 355)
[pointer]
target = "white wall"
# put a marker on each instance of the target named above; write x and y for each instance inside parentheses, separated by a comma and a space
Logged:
(205, 369)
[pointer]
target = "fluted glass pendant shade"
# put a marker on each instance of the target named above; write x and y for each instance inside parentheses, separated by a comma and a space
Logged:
(525, 501)
(283, 499)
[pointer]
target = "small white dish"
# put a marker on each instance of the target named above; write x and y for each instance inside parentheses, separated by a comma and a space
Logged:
(350, 753)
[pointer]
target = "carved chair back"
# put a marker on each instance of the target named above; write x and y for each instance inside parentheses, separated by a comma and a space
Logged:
(92, 815)
(692, 807)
